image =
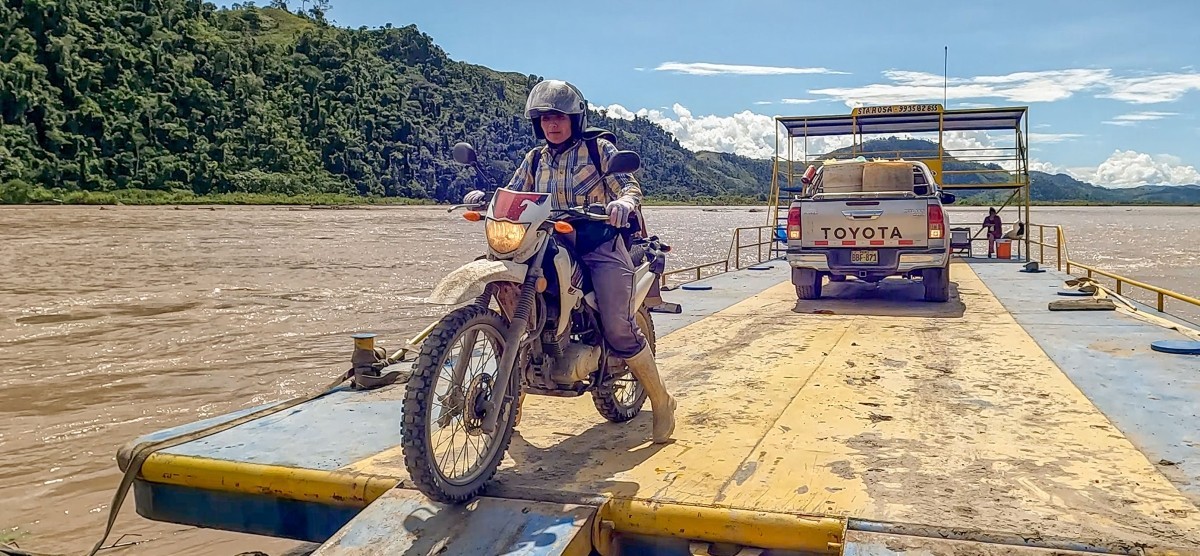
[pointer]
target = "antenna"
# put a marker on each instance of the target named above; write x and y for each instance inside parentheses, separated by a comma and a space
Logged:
(945, 73)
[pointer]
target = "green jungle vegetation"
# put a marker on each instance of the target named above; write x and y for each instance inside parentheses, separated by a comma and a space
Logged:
(181, 102)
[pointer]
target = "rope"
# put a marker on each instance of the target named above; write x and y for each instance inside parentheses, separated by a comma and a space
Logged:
(142, 451)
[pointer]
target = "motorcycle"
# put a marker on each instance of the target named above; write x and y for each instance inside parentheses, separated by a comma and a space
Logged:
(544, 338)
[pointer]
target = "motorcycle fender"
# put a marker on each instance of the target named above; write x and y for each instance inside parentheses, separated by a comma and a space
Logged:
(468, 281)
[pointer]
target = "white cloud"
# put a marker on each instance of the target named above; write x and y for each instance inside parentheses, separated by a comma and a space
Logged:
(744, 133)
(1035, 137)
(1027, 86)
(1167, 87)
(753, 135)
(763, 102)
(1134, 118)
(915, 86)
(1131, 168)
(1047, 167)
(706, 68)
(799, 100)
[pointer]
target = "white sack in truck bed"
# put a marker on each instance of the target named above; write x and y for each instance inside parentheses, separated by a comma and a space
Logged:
(842, 177)
(887, 176)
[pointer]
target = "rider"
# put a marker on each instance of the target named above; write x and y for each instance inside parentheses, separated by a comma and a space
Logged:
(558, 112)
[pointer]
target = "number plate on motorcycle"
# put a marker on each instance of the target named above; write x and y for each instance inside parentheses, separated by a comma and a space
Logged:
(864, 257)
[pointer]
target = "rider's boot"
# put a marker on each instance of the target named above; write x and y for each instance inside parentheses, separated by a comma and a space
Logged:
(662, 403)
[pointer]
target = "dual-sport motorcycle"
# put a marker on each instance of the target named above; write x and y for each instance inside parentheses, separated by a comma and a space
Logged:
(463, 399)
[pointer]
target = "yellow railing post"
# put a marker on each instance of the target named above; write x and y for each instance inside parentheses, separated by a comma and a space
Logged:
(760, 246)
(1042, 244)
(1058, 244)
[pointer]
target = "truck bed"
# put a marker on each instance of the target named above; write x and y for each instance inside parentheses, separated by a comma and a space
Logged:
(944, 418)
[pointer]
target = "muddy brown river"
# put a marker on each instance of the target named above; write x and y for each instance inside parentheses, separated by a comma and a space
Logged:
(119, 321)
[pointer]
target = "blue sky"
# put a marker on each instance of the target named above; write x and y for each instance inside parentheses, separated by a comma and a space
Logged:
(1113, 87)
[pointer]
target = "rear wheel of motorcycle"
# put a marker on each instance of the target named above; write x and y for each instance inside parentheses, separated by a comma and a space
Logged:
(430, 388)
(623, 399)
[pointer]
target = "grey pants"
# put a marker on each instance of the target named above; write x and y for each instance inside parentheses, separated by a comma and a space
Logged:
(611, 270)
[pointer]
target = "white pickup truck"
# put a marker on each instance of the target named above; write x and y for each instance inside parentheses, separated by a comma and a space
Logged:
(869, 220)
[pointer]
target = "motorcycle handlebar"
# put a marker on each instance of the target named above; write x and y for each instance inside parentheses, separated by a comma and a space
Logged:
(582, 213)
(595, 212)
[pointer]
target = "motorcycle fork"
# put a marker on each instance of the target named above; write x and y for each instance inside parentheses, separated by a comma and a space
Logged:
(455, 400)
(512, 340)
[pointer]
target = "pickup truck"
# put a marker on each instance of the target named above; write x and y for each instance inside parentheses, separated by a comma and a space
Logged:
(870, 229)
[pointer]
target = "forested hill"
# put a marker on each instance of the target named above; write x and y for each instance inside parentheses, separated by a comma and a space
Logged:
(180, 96)
(108, 99)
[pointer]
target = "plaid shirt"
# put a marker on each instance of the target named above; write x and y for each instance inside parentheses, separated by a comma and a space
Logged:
(572, 179)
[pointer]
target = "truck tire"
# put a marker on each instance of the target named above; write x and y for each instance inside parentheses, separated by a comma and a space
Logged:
(937, 284)
(808, 284)
(837, 277)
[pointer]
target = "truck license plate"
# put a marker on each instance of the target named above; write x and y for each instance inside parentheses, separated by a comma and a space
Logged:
(864, 257)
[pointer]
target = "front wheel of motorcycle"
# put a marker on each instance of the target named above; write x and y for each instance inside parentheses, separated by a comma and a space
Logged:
(623, 398)
(446, 452)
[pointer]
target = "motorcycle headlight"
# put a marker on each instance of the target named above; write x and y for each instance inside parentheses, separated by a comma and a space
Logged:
(504, 237)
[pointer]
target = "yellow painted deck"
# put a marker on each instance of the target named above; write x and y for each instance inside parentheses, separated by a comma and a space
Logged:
(959, 422)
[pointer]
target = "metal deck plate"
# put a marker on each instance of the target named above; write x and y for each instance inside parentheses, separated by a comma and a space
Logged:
(899, 413)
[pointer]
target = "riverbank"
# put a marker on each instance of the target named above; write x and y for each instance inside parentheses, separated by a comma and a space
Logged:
(43, 196)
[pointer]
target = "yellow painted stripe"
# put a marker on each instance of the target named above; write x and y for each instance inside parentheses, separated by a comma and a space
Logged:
(309, 485)
(809, 534)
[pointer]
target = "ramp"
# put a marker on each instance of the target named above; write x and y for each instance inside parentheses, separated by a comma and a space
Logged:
(405, 522)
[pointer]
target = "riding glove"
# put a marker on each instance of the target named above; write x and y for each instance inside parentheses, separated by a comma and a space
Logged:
(618, 211)
(473, 197)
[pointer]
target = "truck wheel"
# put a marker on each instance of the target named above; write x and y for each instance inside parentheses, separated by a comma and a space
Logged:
(808, 284)
(937, 284)
(837, 277)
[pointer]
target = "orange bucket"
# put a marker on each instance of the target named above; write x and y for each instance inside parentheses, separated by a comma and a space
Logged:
(1003, 248)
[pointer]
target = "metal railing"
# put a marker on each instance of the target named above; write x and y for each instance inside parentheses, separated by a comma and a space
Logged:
(733, 258)
(1064, 263)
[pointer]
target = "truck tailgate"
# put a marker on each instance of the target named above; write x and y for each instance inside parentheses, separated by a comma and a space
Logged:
(896, 222)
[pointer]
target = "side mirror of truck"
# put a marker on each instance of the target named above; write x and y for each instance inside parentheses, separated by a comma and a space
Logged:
(947, 198)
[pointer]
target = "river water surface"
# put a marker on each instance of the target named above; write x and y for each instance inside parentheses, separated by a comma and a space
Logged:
(119, 321)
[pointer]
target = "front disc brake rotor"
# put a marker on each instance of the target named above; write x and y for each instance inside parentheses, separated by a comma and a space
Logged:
(478, 394)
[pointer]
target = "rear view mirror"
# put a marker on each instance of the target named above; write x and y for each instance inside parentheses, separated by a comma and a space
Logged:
(624, 162)
(464, 153)
(947, 198)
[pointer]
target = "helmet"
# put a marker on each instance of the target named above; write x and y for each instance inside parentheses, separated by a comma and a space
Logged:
(556, 96)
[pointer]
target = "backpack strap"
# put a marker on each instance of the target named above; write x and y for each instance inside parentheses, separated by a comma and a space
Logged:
(594, 153)
(537, 159)
(590, 137)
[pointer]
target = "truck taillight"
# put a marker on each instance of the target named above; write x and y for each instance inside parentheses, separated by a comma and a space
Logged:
(937, 222)
(793, 225)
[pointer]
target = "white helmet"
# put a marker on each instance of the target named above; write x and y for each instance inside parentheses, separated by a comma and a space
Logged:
(554, 96)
